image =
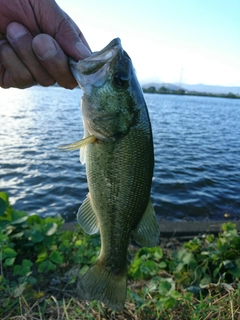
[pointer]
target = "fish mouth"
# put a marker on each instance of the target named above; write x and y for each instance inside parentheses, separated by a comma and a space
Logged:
(95, 61)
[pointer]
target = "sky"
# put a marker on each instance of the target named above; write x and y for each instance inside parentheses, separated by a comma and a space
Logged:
(175, 41)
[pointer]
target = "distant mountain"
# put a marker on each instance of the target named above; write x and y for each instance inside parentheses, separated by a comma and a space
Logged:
(194, 87)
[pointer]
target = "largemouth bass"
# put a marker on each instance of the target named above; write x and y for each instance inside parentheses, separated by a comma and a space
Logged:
(118, 151)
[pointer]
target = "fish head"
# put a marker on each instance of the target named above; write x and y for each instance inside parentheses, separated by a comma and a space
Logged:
(112, 97)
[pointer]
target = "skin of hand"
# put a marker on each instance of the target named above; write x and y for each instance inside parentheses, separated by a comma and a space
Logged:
(36, 36)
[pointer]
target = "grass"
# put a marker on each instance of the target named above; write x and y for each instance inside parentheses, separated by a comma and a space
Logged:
(53, 304)
(40, 265)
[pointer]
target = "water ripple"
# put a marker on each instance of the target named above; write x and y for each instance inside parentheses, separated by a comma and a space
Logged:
(197, 154)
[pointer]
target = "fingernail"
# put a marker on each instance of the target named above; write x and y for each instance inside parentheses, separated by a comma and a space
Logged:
(15, 31)
(46, 50)
(82, 50)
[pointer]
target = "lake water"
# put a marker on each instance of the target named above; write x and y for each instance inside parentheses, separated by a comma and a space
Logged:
(197, 154)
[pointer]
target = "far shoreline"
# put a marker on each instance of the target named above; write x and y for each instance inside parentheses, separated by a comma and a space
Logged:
(182, 92)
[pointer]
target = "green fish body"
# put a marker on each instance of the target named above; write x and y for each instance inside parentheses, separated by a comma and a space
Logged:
(118, 151)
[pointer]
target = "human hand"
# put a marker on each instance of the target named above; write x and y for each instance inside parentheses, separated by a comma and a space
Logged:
(36, 37)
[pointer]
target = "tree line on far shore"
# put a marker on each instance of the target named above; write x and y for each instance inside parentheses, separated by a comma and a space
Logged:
(164, 90)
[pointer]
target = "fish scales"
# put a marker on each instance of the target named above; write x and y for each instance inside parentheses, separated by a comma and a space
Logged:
(122, 199)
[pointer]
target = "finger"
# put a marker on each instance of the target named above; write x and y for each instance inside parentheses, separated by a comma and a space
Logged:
(53, 60)
(57, 24)
(13, 73)
(78, 31)
(21, 41)
(71, 40)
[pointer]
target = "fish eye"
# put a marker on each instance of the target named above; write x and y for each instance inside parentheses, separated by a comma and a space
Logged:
(120, 80)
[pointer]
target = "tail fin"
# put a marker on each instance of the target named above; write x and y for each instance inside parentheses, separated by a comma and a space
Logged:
(100, 284)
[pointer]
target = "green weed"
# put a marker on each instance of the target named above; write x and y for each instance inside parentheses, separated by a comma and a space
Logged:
(40, 265)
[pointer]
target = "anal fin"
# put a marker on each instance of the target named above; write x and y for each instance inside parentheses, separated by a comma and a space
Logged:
(147, 231)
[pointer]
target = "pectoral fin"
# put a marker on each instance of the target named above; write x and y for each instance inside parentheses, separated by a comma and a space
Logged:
(78, 144)
(147, 231)
(87, 218)
(83, 149)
